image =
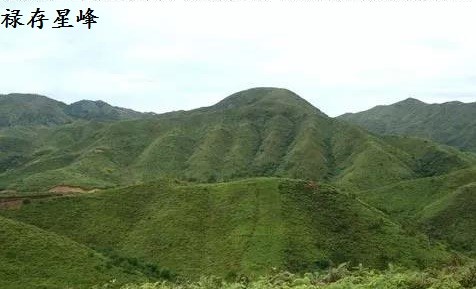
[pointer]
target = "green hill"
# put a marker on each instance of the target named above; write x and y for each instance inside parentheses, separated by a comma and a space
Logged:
(451, 123)
(406, 199)
(257, 132)
(100, 111)
(235, 188)
(28, 109)
(31, 109)
(441, 206)
(452, 218)
(35, 258)
(227, 229)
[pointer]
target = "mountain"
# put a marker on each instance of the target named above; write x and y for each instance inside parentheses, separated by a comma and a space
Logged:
(31, 109)
(257, 132)
(99, 110)
(451, 123)
(28, 109)
(261, 179)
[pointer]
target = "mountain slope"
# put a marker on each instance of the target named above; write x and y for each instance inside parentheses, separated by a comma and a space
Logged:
(407, 199)
(245, 227)
(31, 109)
(28, 109)
(441, 206)
(260, 132)
(34, 258)
(451, 123)
(257, 132)
(100, 111)
(452, 218)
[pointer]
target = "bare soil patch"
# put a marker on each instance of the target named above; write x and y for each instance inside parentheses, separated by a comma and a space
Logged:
(16, 201)
(11, 204)
(66, 190)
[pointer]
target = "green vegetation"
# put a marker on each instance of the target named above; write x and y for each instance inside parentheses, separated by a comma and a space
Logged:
(452, 219)
(99, 111)
(407, 199)
(31, 109)
(238, 228)
(260, 183)
(27, 109)
(451, 123)
(441, 206)
(258, 132)
(34, 258)
(340, 277)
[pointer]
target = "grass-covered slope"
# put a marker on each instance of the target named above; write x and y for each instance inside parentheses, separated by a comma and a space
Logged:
(99, 111)
(32, 110)
(257, 132)
(441, 206)
(34, 258)
(405, 200)
(451, 123)
(452, 218)
(244, 227)
(231, 224)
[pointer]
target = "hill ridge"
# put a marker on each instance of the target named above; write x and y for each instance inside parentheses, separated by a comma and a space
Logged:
(266, 95)
(257, 223)
(314, 189)
(450, 123)
(35, 109)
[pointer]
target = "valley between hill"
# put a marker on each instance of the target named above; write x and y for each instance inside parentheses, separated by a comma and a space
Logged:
(258, 183)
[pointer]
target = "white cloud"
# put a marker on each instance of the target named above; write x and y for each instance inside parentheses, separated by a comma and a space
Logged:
(167, 55)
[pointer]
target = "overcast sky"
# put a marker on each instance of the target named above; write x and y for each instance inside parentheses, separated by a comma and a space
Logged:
(159, 56)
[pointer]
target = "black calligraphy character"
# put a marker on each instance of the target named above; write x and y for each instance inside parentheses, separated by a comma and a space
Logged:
(37, 19)
(87, 18)
(12, 18)
(62, 19)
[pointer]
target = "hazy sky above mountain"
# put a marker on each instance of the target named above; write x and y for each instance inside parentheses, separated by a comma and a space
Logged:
(169, 55)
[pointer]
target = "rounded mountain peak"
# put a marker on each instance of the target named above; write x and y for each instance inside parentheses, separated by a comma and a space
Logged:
(265, 96)
(411, 101)
(91, 104)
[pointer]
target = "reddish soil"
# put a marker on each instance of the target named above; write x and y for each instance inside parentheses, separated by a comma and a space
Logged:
(15, 202)
(11, 204)
(66, 190)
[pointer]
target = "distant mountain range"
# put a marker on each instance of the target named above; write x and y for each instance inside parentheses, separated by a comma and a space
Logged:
(257, 132)
(261, 179)
(452, 123)
(32, 109)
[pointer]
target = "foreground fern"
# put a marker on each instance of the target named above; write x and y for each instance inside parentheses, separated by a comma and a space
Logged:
(340, 277)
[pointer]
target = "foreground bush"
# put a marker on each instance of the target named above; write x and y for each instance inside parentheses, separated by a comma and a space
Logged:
(340, 277)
